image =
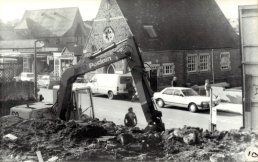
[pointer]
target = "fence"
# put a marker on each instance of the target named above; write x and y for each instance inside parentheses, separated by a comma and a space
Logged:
(9, 70)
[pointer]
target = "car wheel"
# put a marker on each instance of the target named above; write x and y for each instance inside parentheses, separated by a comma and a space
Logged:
(110, 95)
(193, 107)
(160, 103)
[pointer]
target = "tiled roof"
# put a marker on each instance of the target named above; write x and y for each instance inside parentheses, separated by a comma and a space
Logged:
(178, 24)
(56, 22)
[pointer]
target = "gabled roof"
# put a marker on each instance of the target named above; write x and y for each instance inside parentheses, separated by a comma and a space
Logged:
(88, 25)
(178, 24)
(56, 22)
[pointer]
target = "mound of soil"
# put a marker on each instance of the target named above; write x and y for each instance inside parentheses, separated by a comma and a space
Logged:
(103, 140)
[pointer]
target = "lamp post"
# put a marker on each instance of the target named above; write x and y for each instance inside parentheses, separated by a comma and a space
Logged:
(35, 69)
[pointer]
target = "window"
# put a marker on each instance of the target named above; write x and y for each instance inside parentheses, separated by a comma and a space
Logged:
(168, 68)
(198, 62)
(150, 30)
(111, 69)
(108, 34)
(108, 4)
(177, 93)
(204, 62)
(168, 92)
(189, 92)
(224, 60)
(192, 63)
(26, 65)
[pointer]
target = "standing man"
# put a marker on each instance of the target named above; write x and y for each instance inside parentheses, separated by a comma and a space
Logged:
(207, 87)
(130, 118)
(131, 90)
(174, 82)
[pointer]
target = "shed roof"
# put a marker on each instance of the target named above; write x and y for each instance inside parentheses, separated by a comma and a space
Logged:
(178, 24)
(52, 22)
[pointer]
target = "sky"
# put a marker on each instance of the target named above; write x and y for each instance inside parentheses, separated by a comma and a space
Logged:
(14, 9)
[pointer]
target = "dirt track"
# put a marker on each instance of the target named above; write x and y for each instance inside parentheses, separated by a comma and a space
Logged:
(102, 140)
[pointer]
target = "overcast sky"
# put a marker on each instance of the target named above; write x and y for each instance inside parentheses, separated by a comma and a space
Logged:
(14, 9)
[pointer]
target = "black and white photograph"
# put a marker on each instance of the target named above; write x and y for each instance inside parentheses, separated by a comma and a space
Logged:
(128, 80)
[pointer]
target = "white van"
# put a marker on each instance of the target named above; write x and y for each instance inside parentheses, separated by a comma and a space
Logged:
(111, 84)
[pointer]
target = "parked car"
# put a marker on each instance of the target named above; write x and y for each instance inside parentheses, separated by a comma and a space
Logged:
(111, 84)
(47, 81)
(80, 83)
(183, 97)
(44, 81)
(25, 76)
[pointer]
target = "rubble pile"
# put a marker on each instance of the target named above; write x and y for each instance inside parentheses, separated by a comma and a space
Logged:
(103, 140)
(190, 143)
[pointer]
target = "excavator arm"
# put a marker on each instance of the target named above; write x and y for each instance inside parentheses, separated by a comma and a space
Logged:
(93, 62)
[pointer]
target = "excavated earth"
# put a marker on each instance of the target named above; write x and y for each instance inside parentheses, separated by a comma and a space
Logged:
(96, 140)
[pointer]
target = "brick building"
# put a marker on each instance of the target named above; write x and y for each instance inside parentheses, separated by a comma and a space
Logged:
(189, 39)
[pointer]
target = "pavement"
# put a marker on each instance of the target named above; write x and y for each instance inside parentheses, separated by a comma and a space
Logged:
(231, 100)
(230, 107)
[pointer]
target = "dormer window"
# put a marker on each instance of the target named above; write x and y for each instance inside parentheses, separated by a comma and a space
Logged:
(150, 30)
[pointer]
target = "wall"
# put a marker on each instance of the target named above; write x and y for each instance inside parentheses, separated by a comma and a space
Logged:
(232, 76)
(161, 57)
(108, 16)
(14, 93)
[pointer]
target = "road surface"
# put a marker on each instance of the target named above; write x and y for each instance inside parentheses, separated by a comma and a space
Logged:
(115, 110)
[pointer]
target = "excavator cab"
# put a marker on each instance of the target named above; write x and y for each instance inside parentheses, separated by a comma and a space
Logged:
(80, 96)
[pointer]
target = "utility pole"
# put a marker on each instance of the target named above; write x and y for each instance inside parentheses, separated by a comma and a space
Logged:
(35, 70)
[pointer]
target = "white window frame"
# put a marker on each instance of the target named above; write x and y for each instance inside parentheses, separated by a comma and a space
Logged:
(195, 64)
(108, 5)
(170, 67)
(26, 64)
(228, 66)
(207, 63)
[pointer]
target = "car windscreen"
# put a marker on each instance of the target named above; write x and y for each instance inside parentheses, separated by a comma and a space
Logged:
(189, 92)
(80, 80)
(125, 79)
(30, 75)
